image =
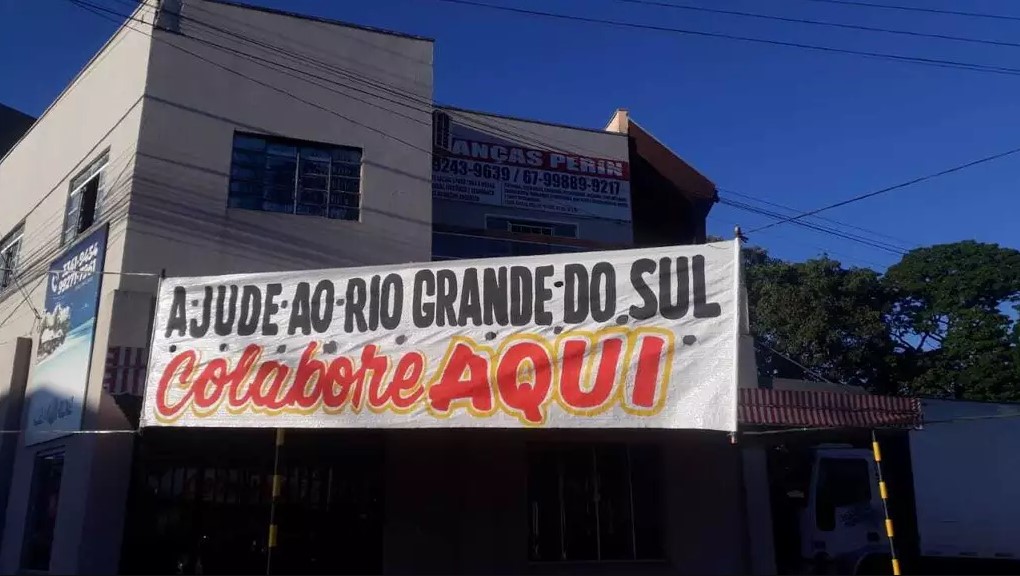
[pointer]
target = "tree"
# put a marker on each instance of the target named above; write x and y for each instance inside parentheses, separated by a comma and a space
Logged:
(942, 322)
(821, 315)
(954, 321)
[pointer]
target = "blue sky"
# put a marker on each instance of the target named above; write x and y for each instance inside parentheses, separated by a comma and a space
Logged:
(785, 125)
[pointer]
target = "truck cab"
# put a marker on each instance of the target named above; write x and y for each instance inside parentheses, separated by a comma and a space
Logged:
(842, 519)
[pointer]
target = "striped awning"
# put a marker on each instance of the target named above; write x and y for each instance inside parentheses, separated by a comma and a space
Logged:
(805, 408)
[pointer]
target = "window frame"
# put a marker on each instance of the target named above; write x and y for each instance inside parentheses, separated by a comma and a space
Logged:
(32, 517)
(8, 271)
(556, 228)
(94, 171)
(637, 513)
(304, 151)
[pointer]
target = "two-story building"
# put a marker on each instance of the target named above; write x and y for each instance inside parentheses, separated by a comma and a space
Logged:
(213, 138)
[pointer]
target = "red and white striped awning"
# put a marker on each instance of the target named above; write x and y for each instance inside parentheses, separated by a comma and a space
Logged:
(815, 409)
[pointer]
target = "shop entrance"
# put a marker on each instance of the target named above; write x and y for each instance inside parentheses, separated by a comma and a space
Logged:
(200, 503)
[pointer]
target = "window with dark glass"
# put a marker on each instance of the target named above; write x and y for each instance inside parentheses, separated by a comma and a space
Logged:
(10, 249)
(295, 177)
(528, 226)
(83, 202)
(42, 511)
(594, 503)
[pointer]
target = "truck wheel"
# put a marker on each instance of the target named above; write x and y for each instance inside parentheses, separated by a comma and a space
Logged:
(875, 565)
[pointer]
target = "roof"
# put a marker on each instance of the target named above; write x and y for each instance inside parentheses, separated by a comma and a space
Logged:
(817, 409)
(520, 119)
(684, 176)
(320, 19)
(13, 125)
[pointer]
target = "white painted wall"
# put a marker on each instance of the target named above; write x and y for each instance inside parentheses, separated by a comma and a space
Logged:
(100, 109)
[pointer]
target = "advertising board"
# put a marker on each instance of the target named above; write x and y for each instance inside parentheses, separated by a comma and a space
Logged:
(56, 391)
(469, 165)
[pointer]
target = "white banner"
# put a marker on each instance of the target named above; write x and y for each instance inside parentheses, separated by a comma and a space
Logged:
(627, 339)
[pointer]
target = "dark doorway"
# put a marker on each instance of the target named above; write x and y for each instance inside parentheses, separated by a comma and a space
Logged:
(201, 499)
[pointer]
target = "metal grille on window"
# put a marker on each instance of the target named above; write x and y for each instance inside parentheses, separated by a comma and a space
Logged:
(594, 503)
(10, 249)
(85, 199)
(276, 175)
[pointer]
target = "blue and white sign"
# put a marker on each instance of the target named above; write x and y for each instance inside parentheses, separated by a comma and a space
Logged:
(56, 391)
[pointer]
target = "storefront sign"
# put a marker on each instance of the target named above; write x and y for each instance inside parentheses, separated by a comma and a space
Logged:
(60, 378)
(627, 339)
(471, 166)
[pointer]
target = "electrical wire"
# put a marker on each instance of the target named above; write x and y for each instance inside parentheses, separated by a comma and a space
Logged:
(898, 241)
(750, 39)
(842, 25)
(888, 189)
(812, 226)
(919, 9)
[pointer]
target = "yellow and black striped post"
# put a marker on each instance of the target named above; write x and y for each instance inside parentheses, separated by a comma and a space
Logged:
(884, 493)
(277, 490)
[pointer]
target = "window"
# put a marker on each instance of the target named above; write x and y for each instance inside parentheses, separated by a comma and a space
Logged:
(534, 227)
(594, 503)
(84, 201)
(842, 482)
(10, 248)
(455, 246)
(292, 177)
(42, 511)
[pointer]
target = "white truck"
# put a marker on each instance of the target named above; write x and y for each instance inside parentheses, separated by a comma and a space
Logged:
(953, 494)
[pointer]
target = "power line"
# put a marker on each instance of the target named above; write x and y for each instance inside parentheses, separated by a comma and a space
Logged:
(99, 11)
(918, 9)
(684, 31)
(842, 25)
(888, 189)
(273, 66)
(819, 218)
(812, 226)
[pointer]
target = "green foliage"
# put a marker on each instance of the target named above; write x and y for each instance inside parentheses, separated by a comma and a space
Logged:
(941, 322)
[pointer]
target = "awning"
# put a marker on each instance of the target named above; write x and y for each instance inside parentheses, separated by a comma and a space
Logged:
(765, 407)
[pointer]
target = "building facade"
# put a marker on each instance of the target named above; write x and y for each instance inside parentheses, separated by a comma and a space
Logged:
(214, 138)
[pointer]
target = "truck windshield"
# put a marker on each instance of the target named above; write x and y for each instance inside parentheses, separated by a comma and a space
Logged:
(843, 481)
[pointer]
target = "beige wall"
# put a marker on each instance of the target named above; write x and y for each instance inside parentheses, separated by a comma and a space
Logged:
(167, 118)
(198, 95)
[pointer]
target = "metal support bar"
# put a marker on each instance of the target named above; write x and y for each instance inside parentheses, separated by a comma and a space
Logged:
(884, 493)
(277, 490)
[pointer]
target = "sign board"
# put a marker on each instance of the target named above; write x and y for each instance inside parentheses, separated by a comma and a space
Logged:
(472, 166)
(56, 391)
(628, 339)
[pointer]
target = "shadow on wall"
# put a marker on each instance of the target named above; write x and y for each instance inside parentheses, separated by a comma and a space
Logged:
(60, 495)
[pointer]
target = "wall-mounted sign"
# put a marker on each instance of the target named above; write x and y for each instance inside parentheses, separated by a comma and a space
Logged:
(473, 166)
(629, 339)
(56, 392)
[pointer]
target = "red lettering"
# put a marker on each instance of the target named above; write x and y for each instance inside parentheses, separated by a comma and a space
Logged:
(276, 373)
(519, 393)
(341, 379)
(239, 392)
(646, 378)
(209, 384)
(605, 377)
(180, 366)
(375, 368)
(406, 378)
(309, 370)
(464, 377)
